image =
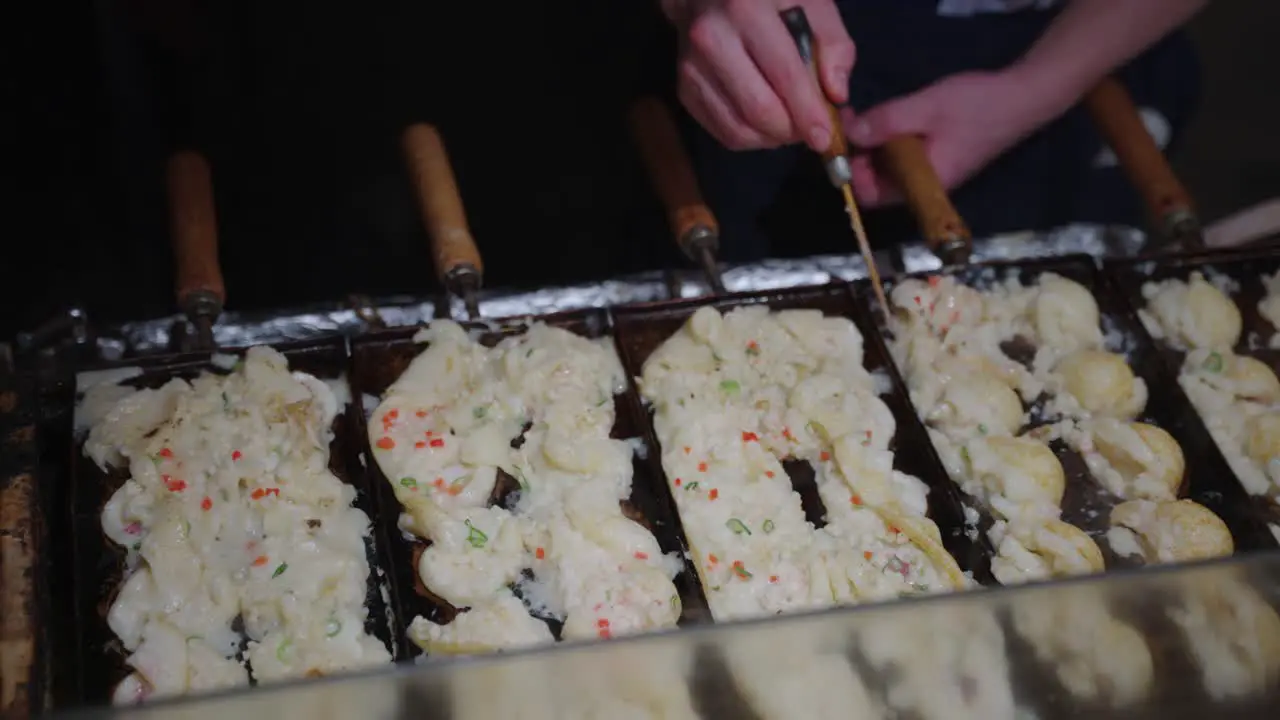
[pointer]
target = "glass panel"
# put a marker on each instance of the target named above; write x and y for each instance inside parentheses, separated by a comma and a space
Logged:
(1197, 641)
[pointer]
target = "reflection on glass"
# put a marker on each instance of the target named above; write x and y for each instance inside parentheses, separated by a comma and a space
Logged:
(1096, 657)
(949, 663)
(1233, 636)
(1198, 642)
(801, 672)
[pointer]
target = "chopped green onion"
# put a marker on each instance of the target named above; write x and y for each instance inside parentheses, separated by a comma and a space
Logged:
(691, 486)
(475, 536)
(738, 527)
(332, 628)
(1213, 363)
(982, 428)
(730, 386)
(528, 353)
(136, 546)
(767, 527)
(280, 570)
(741, 571)
(602, 402)
(283, 649)
(964, 454)
(408, 482)
(479, 412)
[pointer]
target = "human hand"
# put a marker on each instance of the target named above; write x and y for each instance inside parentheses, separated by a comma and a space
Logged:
(966, 121)
(741, 76)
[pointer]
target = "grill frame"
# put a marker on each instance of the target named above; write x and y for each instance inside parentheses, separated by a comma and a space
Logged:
(47, 401)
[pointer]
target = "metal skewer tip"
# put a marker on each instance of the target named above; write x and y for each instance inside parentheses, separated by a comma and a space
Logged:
(707, 259)
(464, 282)
(864, 245)
(202, 308)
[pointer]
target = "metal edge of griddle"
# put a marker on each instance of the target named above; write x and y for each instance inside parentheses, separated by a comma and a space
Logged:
(309, 322)
(26, 670)
(1099, 241)
(97, 564)
(1206, 457)
(945, 509)
(593, 323)
(1242, 266)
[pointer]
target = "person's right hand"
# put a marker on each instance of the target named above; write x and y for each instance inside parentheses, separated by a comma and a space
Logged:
(741, 75)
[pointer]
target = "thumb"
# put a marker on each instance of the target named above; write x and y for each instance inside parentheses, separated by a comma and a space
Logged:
(904, 116)
(836, 52)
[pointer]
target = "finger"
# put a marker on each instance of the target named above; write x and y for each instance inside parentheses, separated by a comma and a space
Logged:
(771, 46)
(871, 187)
(706, 102)
(909, 115)
(836, 51)
(720, 49)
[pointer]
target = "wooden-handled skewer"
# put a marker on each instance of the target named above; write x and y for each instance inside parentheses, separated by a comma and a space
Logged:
(456, 256)
(835, 157)
(671, 173)
(946, 233)
(1172, 211)
(194, 227)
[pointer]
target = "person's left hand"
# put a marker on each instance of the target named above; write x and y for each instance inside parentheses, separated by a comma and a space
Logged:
(966, 121)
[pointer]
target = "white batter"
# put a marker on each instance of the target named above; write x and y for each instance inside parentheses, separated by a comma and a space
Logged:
(440, 435)
(230, 511)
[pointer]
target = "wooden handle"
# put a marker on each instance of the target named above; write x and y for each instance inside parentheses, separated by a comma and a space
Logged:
(1121, 126)
(663, 154)
(452, 246)
(194, 226)
(907, 162)
(797, 24)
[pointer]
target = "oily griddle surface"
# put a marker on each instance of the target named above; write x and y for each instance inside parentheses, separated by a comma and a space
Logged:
(1245, 270)
(1086, 503)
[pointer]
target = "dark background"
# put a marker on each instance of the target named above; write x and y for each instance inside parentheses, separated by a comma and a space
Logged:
(299, 107)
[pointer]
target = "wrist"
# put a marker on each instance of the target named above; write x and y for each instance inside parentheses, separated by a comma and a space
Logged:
(1046, 90)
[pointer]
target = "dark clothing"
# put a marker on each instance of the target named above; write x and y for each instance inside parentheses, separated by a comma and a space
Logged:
(1047, 180)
